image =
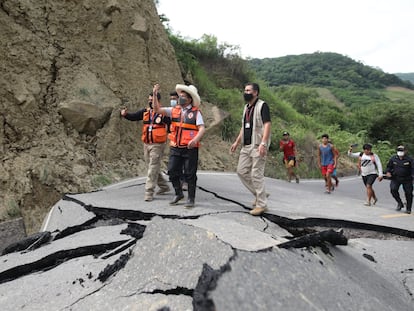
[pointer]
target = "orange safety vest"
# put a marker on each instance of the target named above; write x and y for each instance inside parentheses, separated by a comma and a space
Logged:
(183, 127)
(154, 130)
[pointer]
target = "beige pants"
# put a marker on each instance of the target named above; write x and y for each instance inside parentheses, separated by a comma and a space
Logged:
(251, 173)
(153, 154)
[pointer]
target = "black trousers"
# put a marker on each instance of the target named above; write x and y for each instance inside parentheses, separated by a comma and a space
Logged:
(183, 161)
(408, 190)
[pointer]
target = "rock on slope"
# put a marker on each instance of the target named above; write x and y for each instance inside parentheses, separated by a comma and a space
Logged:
(66, 69)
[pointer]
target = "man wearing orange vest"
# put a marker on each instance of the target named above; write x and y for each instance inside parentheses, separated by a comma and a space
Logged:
(154, 137)
(187, 128)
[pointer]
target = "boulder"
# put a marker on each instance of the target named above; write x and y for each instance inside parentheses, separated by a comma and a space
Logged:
(85, 117)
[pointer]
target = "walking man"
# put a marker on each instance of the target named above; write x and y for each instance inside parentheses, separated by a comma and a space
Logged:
(369, 164)
(400, 169)
(187, 129)
(254, 137)
(154, 137)
(288, 146)
(327, 158)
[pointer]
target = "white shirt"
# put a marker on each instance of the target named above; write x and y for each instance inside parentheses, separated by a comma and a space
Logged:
(368, 167)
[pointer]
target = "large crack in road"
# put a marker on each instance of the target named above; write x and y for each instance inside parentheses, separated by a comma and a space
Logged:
(307, 233)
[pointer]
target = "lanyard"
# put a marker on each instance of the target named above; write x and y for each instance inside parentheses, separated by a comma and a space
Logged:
(249, 113)
(152, 116)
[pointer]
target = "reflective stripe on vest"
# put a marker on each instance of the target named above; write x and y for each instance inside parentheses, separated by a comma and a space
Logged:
(154, 130)
(183, 127)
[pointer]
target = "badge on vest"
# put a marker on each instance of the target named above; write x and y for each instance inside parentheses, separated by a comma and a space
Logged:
(190, 115)
(158, 120)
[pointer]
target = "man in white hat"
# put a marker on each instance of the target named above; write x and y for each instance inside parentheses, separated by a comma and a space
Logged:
(187, 129)
(254, 137)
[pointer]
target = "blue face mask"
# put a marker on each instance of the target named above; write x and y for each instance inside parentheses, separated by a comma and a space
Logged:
(173, 102)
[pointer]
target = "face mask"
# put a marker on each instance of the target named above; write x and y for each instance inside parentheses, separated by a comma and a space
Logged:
(173, 102)
(182, 100)
(400, 153)
(248, 97)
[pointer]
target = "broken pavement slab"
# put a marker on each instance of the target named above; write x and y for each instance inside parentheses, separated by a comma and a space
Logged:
(66, 214)
(217, 256)
(87, 242)
(239, 236)
(300, 279)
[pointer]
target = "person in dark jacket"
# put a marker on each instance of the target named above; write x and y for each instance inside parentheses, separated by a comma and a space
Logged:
(187, 129)
(400, 169)
(154, 136)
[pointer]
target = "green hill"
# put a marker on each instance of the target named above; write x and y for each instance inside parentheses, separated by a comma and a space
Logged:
(323, 69)
(406, 76)
(308, 95)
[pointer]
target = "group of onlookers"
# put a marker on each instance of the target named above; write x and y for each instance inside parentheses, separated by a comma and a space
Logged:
(399, 169)
(182, 123)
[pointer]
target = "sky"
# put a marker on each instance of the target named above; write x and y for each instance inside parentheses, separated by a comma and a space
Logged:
(377, 33)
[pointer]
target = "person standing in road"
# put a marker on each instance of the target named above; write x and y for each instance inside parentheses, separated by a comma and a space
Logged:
(173, 102)
(369, 164)
(254, 137)
(334, 174)
(187, 129)
(327, 159)
(400, 169)
(288, 146)
(154, 137)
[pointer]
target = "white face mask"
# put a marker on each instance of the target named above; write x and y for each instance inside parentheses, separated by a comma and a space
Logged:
(400, 153)
(173, 102)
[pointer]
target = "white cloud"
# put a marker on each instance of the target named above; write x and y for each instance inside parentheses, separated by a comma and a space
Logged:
(375, 32)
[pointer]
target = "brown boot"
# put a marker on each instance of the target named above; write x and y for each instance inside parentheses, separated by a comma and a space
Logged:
(257, 211)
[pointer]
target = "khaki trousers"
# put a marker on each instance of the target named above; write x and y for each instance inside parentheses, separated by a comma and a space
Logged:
(153, 154)
(251, 173)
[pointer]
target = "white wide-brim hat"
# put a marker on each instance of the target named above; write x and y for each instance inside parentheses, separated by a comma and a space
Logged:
(190, 90)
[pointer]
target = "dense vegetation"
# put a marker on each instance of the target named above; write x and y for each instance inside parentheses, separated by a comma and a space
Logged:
(308, 95)
(323, 69)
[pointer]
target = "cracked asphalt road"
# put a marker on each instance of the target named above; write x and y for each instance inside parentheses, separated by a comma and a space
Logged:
(110, 250)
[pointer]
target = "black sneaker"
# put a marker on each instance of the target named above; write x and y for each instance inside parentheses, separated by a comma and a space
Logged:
(399, 207)
(408, 211)
(189, 203)
(176, 199)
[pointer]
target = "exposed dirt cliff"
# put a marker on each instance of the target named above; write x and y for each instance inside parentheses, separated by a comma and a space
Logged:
(66, 69)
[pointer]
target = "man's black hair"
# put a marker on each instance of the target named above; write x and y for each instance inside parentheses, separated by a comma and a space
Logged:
(254, 86)
(325, 135)
(367, 147)
(174, 94)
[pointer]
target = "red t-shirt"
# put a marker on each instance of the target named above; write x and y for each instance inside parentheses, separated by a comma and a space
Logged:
(288, 148)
